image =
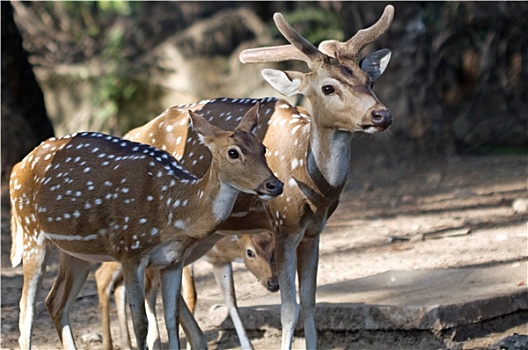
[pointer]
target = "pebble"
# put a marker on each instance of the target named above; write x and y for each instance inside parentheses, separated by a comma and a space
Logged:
(218, 313)
(8, 327)
(91, 337)
(520, 205)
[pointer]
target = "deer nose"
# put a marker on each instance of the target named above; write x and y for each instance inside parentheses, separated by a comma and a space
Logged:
(382, 118)
(273, 284)
(271, 187)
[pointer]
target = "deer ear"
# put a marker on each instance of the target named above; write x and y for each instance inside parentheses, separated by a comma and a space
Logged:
(376, 63)
(282, 81)
(202, 127)
(250, 120)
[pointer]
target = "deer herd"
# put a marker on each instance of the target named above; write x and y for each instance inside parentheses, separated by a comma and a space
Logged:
(223, 179)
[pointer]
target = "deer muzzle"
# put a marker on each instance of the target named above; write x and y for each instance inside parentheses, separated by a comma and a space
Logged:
(381, 119)
(273, 284)
(270, 188)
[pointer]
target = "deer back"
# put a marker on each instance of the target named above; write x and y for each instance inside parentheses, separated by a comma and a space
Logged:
(97, 189)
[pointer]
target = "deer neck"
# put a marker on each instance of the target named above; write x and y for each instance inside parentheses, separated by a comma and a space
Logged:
(328, 156)
(214, 196)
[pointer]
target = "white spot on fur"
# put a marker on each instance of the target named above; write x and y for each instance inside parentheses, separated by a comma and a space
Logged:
(294, 163)
(59, 237)
(179, 224)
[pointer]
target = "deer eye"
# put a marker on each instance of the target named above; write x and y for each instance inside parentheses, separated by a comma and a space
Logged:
(250, 253)
(328, 89)
(232, 153)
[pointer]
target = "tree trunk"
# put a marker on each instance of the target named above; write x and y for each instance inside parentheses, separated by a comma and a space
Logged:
(25, 122)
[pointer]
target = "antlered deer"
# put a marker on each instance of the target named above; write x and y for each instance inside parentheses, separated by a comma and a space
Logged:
(255, 250)
(102, 198)
(309, 153)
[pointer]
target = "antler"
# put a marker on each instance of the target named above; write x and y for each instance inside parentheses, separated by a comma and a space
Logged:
(272, 54)
(300, 49)
(350, 49)
(296, 39)
(303, 50)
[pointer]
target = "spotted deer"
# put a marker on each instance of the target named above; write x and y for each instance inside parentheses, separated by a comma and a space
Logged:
(309, 153)
(101, 198)
(255, 250)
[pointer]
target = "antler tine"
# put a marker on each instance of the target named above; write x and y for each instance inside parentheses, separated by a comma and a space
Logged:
(366, 36)
(351, 48)
(300, 49)
(296, 39)
(273, 54)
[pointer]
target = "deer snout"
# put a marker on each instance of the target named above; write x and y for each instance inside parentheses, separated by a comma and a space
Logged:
(382, 118)
(273, 284)
(272, 187)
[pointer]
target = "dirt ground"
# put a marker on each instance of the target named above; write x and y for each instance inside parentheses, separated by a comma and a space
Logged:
(410, 215)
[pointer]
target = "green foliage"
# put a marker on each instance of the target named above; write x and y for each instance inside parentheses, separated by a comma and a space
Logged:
(94, 16)
(102, 36)
(115, 87)
(120, 7)
(315, 24)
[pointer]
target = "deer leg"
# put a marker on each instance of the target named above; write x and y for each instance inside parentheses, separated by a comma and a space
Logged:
(34, 268)
(120, 301)
(188, 288)
(153, 338)
(307, 260)
(175, 308)
(151, 292)
(171, 294)
(73, 272)
(189, 297)
(195, 337)
(106, 278)
(285, 249)
(224, 279)
(135, 294)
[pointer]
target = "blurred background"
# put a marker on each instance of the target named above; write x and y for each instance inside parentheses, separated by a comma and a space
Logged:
(456, 84)
(444, 188)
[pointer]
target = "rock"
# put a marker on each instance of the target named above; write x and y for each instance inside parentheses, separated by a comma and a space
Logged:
(520, 205)
(8, 327)
(91, 337)
(514, 342)
(434, 179)
(218, 313)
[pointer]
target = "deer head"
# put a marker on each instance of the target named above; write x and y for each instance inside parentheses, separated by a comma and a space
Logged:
(258, 254)
(336, 82)
(244, 150)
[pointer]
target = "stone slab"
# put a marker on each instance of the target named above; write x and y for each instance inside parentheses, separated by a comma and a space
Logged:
(405, 300)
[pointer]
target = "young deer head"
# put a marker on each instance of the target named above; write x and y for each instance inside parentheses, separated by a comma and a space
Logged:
(100, 198)
(259, 257)
(255, 250)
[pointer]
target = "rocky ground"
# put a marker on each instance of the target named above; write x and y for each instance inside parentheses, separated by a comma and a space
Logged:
(406, 216)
